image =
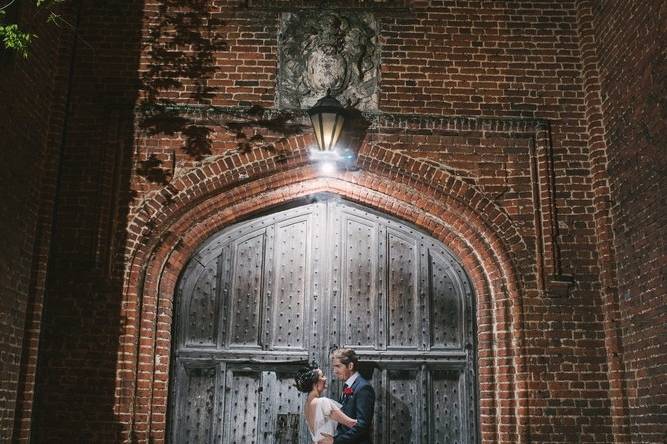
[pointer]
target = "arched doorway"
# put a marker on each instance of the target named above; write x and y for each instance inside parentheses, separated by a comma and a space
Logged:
(267, 295)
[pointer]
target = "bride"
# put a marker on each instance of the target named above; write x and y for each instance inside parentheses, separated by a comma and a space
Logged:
(322, 414)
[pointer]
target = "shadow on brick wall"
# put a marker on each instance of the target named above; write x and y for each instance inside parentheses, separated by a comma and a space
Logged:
(181, 47)
(76, 390)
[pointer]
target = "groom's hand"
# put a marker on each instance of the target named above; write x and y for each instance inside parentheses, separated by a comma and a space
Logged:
(328, 439)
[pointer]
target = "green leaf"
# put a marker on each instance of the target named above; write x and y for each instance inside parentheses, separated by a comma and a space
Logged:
(13, 38)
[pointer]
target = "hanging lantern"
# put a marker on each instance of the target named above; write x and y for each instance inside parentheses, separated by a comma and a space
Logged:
(327, 117)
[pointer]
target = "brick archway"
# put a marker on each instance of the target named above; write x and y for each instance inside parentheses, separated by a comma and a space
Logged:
(200, 204)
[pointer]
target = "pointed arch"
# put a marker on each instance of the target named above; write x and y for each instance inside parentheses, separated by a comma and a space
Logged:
(169, 226)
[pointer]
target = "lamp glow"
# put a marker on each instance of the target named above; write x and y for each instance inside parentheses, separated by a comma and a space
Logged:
(327, 168)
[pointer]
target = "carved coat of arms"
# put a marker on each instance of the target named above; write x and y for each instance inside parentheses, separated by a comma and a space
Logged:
(328, 51)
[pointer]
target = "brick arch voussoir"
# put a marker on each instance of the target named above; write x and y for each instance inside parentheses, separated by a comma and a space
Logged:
(231, 175)
(427, 176)
(457, 229)
(457, 196)
(217, 176)
(443, 217)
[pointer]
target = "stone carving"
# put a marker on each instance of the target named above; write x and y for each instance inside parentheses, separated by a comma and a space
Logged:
(322, 51)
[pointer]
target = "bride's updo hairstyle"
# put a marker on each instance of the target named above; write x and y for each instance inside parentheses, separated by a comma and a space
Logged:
(306, 377)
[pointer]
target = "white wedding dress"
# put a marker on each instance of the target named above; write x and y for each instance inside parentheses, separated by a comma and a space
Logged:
(323, 422)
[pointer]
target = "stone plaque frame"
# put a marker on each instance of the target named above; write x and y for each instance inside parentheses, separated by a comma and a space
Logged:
(320, 51)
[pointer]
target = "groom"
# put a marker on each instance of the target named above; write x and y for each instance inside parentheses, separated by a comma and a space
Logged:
(358, 400)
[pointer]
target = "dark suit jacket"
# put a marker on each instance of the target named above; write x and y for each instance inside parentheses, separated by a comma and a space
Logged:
(357, 406)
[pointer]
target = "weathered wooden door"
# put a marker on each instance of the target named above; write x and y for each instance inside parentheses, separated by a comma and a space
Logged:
(268, 295)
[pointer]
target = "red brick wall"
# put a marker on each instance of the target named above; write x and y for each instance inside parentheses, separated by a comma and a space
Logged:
(632, 56)
(31, 114)
(78, 345)
(441, 59)
(501, 170)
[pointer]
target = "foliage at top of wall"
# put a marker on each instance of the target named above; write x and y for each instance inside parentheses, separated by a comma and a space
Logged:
(13, 35)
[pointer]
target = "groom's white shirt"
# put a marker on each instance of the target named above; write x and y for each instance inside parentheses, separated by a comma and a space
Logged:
(351, 379)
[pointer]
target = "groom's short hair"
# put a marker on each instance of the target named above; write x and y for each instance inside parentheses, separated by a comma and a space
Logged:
(346, 356)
